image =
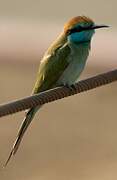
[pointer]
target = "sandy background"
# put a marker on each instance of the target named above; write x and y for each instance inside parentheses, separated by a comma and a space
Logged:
(73, 138)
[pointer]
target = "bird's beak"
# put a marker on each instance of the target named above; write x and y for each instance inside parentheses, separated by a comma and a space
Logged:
(99, 26)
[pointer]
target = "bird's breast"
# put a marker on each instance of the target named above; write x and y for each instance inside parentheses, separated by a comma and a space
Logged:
(77, 60)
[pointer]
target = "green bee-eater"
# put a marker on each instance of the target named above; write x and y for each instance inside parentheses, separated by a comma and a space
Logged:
(61, 64)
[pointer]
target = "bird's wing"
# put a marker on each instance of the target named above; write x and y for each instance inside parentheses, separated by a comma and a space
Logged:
(51, 68)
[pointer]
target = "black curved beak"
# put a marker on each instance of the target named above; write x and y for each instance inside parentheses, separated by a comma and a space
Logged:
(99, 26)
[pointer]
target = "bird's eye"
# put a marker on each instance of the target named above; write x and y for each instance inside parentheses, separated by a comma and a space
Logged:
(76, 29)
(79, 29)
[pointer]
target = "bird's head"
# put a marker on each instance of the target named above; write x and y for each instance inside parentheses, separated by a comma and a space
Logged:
(80, 29)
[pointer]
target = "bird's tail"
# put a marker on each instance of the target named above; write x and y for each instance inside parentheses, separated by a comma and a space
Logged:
(26, 122)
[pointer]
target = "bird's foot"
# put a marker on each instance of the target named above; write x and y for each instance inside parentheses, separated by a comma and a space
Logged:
(71, 87)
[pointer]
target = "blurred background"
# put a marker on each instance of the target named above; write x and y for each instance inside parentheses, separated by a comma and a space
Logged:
(73, 138)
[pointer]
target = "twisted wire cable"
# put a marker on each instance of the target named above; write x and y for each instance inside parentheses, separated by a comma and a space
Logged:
(58, 93)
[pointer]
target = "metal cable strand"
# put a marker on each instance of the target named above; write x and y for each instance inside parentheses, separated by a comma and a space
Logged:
(57, 93)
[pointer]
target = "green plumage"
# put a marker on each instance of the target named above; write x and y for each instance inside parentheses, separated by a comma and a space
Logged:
(62, 64)
(52, 65)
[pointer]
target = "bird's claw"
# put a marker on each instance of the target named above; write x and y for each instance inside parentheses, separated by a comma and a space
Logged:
(71, 87)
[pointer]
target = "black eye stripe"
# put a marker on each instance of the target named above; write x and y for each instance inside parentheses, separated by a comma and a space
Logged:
(75, 30)
(79, 29)
(70, 31)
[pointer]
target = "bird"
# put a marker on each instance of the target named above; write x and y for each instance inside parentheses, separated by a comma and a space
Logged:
(61, 64)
